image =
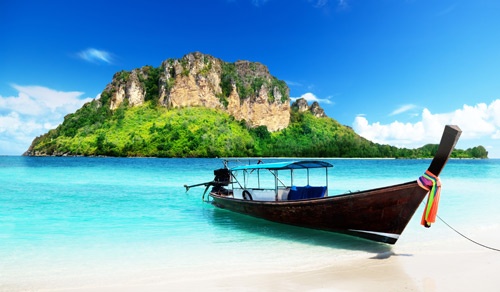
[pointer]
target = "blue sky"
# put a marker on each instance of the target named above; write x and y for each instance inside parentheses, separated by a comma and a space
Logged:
(394, 70)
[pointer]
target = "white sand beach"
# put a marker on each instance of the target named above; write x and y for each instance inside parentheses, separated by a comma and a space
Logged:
(461, 267)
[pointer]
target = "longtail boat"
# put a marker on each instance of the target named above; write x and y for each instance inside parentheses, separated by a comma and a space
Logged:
(379, 214)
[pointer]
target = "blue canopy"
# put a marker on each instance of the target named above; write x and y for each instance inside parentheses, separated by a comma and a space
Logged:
(285, 165)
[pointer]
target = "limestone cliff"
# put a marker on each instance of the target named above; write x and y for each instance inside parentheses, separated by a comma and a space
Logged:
(302, 106)
(127, 86)
(244, 89)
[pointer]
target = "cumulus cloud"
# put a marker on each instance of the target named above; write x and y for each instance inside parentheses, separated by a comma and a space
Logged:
(34, 111)
(480, 122)
(96, 56)
(310, 97)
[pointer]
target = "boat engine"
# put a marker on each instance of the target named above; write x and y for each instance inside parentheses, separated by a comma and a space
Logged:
(222, 176)
(221, 179)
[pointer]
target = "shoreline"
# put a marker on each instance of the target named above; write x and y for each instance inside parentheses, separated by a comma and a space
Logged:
(437, 270)
(446, 266)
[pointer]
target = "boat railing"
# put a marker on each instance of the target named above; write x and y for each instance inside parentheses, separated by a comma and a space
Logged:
(283, 193)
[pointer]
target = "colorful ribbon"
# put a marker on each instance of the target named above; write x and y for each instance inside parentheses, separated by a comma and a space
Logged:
(432, 184)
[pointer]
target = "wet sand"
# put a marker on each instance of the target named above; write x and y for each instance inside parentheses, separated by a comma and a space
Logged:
(450, 263)
(466, 267)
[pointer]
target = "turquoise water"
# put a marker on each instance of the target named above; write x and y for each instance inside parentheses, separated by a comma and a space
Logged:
(99, 221)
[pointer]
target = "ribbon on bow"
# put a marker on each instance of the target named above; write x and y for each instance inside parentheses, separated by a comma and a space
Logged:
(432, 184)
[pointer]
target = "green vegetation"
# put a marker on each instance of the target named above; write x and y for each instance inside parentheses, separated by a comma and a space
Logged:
(151, 83)
(147, 131)
(155, 131)
(201, 132)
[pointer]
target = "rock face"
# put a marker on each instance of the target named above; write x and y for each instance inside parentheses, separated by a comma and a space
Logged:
(193, 80)
(127, 86)
(317, 111)
(244, 89)
(302, 106)
(267, 106)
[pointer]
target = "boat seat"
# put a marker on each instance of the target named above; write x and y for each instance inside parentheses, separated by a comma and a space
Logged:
(307, 192)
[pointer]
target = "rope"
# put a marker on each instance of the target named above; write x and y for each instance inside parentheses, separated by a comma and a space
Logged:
(480, 244)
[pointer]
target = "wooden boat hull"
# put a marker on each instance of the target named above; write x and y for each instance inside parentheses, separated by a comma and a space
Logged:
(379, 214)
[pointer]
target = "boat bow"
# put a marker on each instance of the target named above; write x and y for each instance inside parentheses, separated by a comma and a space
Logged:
(378, 214)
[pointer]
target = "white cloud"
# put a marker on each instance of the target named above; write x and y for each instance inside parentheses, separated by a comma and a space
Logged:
(343, 4)
(258, 3)
(479, 123)
(33, 112)
(36, 100)
(310, 97)
(292, 83)
(325, 4)
(320, 3)
(447, 11)
(402, 109)
(96, 56)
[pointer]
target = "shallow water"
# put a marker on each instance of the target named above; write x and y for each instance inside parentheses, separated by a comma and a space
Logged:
(100, 220)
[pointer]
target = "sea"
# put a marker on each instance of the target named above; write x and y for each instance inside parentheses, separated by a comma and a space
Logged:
(76, 222)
